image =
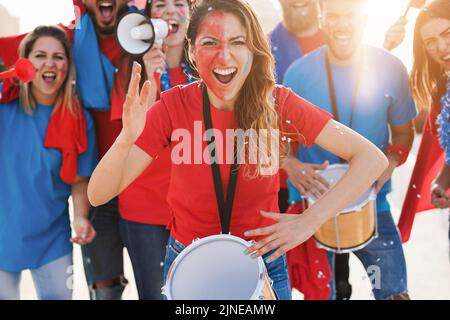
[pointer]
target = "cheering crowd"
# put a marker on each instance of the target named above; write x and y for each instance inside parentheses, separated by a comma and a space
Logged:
(102, 126)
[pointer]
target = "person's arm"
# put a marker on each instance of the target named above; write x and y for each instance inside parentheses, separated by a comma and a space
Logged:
(439, 196)
(366, 164)
(396, 34)
(124, 161)
(402, 135)
(84, 232)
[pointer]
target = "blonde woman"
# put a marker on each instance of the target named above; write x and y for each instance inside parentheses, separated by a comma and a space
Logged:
(48, 153)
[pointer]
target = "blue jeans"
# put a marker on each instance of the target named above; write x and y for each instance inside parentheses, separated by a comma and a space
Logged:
(53, 281)
(103, 257)
(277, 270)
(384, 261)
(146, 245)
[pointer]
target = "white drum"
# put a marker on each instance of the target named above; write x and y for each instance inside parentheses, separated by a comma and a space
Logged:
(216, 268)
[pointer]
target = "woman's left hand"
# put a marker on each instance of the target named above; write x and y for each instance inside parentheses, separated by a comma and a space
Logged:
(84, 231)
(290, 231)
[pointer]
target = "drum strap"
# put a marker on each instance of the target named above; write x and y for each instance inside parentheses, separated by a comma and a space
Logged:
(332, 91)
(225, 206)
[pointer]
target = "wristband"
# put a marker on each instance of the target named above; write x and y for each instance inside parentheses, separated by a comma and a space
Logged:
(399, 149)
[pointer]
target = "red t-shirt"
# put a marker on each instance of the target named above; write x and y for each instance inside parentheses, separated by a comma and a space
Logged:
(145, 200)
(191, 193)
(311, 43)
(106, 129)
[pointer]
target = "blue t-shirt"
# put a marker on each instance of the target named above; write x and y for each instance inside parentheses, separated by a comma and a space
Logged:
(383, 99)
(34, 211)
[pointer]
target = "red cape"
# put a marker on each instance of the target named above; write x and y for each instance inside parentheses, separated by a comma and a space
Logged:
(430, 160)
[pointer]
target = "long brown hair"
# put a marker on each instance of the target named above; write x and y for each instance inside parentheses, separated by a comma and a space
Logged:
(428, 79)
(66, 93)
(255, 106)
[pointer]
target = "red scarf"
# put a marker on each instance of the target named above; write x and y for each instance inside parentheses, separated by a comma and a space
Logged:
(66, 132)
(309, 270)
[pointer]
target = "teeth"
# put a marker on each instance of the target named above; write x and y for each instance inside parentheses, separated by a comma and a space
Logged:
(49, 74)
(106, 5)
(342, 37)
(225, 72)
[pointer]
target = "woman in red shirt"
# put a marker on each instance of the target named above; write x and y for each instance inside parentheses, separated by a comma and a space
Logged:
(144, 211)
(237, 89)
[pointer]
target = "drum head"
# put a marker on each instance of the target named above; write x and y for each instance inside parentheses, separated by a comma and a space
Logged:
(333, 174)
(215, 268)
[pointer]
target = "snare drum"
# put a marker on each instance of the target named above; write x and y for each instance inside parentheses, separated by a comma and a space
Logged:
(216, 268)
(355, 226)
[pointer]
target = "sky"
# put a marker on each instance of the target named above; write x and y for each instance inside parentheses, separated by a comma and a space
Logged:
(383, 13)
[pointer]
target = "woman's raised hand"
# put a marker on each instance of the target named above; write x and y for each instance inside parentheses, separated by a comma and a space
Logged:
(136, 106)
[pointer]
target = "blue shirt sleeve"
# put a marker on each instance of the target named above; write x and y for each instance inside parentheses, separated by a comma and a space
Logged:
(402, 109)
(87, 161)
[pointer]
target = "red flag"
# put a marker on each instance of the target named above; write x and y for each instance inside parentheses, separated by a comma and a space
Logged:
(429, 161)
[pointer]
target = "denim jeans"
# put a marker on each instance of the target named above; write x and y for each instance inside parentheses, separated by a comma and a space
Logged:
(53, 281)
(277, 270)
(383, 260)
(103, 257)
(146, 245)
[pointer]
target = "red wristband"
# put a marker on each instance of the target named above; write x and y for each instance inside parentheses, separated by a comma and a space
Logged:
(399, 149)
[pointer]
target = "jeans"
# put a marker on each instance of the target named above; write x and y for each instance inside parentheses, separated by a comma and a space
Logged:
(103, 257)
(146, 245)
(277, 270)
(384, 261)
(53, 281)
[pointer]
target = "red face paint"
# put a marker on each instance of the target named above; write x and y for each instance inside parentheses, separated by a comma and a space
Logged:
(222, 55)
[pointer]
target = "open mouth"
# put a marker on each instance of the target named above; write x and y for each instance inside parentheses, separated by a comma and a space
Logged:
(106, 9)
(343, 38)
(300, 5)
(173, 26)
(49, 77)
(225, 75)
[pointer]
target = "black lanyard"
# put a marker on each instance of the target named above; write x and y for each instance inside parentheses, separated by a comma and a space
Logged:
(225, 206)
(332, 91)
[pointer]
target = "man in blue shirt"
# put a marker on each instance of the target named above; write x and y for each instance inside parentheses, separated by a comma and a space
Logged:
(372, 96)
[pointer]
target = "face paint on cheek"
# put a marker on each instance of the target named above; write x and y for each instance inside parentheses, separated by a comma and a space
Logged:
(206, 58)
(210, 57)
(184, 19)
(249, 62)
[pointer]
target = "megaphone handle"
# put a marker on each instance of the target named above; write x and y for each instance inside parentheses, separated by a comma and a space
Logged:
(8, 74)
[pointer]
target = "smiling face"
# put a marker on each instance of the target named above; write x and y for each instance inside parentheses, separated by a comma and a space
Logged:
(51, 63)
(436, 38)
(106, 14)
(177, 14)
(343, 26)
(222, 56)
(299, 15)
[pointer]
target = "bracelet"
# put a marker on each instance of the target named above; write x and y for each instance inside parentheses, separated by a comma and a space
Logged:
(399, 149)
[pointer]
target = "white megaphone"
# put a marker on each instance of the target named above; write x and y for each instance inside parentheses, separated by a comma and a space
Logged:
(137, 33)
